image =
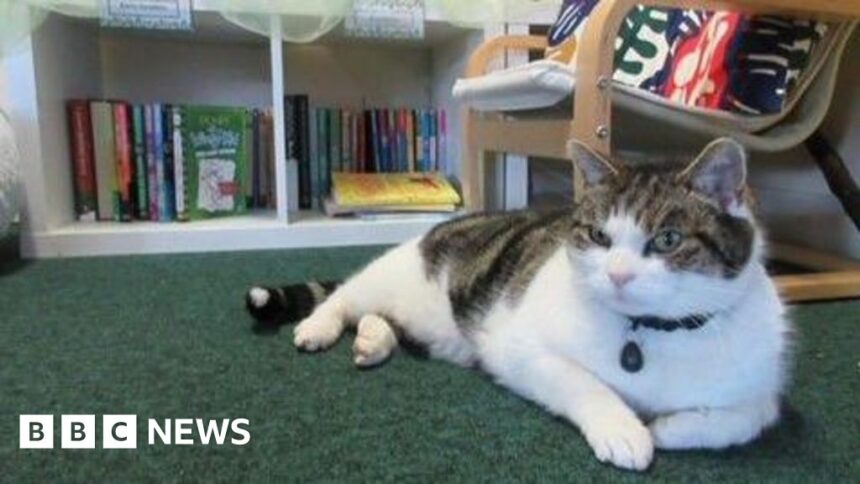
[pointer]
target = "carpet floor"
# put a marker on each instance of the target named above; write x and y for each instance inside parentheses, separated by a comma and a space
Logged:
(167, 337)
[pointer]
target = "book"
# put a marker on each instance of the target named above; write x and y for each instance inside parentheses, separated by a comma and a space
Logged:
(419, 139)
(332, 209)
(151, 162)
(83, 159)
(179, 167)
(410, 140)
(392, 190)
(158, 147)
(303, 147)
(256, 161)
(168, 209)
(313, 139)
(124, 158)
(346, 141)
(403, 152)
(215, 158)
(433, 163)
(262, 138)
(442, 140)
(426, 133)
(138, 123)
(105, 160)
(376, 138)
(361, 142)
(334, 138)
(323, 151)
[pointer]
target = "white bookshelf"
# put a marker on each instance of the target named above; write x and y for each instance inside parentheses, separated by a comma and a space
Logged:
(217, 64)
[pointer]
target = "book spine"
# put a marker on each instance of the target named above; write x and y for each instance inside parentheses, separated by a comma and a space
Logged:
(303, 148)
(267, 138)
(124, 161)
(83, 160)
(354, 140)
(410, 140)
(259, 142)
(138, 124)
(442, 151)
(425, 137)
(385, 136)
(151, 161)
(179, 181)
(419, 139)
(256, 170)
(323, 146)
(345, 147)
(169, 167)
(313, 114)
(158, 148)
(434, 128)
(360, 142)
(404, 143)
(334, 141)
(105, 160)
(376, 136)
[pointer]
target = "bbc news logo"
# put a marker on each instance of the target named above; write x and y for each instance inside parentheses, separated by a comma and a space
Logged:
(120, 431)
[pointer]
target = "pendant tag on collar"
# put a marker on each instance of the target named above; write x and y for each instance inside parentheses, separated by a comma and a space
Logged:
(631, 357)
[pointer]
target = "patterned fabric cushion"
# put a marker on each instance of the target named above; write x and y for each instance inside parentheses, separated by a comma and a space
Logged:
(719, 60)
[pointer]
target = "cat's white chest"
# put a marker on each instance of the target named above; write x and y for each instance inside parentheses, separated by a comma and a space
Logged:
(719, 364)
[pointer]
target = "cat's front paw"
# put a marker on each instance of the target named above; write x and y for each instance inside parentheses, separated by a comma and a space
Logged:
(317, 333)
(621, 440)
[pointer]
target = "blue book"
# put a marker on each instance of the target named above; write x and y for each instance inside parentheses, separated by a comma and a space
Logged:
(425, 139)
(434, 137)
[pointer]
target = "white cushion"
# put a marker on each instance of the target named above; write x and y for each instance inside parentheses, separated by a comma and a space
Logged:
(530, 86)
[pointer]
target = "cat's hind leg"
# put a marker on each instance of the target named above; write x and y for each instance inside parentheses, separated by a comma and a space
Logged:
(374, 341)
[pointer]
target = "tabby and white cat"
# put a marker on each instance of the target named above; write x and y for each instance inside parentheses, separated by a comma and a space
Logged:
(644, 316)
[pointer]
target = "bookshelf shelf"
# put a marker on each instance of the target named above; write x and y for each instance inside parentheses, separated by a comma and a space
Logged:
(252, 232)
(218, 64)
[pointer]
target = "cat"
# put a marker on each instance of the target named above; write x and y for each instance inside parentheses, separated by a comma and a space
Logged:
(644, 316)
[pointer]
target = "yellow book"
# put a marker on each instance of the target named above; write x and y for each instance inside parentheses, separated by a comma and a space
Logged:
(392, 189)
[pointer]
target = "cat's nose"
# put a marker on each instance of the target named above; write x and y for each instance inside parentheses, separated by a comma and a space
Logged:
(620, 279)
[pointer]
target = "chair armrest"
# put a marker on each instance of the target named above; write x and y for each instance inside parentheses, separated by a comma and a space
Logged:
(484, 54)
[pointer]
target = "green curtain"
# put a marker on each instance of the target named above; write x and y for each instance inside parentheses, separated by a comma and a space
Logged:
(302, 20)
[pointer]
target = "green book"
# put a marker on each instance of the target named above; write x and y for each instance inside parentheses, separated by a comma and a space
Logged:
(105, 160)
(139, 144)
(215, 156)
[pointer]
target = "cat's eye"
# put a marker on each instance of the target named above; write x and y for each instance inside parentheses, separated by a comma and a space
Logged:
(599, 237)
(665, 241)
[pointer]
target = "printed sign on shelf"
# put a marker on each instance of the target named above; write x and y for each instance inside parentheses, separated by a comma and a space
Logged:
(386, 19)
(147, 14)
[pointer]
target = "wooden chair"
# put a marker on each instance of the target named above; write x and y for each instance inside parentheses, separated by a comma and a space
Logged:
(485, 134)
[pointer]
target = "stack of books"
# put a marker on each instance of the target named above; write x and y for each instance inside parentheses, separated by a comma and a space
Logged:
(163, 162)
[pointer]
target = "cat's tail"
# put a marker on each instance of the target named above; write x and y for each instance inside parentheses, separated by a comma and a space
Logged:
(274, 306)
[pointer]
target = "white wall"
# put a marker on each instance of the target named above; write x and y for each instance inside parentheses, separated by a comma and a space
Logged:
(795, 202)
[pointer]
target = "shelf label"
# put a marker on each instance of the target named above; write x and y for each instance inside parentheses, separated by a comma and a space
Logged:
(386, 19)
(147, 14)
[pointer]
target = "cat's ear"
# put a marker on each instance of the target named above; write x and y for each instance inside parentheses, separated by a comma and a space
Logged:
(593, 166)
(719, 173)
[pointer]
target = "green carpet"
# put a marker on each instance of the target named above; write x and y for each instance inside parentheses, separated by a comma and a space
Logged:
(167, 336)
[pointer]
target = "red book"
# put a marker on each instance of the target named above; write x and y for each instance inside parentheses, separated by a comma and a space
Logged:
(124, 159)
(83, 159)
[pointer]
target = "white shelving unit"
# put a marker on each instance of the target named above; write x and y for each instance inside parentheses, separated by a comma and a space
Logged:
(217, 64)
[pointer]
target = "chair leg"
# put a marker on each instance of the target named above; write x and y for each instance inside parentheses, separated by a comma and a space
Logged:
(839, 179)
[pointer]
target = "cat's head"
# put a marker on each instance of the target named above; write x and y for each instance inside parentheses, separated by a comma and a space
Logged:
(665, 240)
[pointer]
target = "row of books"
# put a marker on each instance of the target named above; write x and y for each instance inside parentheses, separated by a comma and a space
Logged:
(388, 140)
(167, 162)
